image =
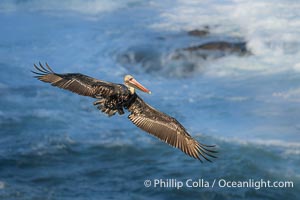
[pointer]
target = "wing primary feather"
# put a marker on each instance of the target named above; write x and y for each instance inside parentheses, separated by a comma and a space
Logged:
(46, 71)
(199, 158)
(40, 74)
(207, 150)
(204, 152)
(195, 154)
(189, 151)
(203, 155)
(49, 68)
(39, 69)
(207, 145)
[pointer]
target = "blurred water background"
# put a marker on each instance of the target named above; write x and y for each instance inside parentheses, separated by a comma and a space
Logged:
(228, 70)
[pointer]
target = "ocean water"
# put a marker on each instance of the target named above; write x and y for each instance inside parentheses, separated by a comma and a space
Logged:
(57, 145)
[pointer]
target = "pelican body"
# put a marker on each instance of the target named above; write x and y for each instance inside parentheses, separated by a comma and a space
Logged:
(112, 98)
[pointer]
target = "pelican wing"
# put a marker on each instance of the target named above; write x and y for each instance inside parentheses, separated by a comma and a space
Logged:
(75, 82)
(167, 129)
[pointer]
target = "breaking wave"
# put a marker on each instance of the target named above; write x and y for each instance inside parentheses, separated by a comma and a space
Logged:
(271, 30)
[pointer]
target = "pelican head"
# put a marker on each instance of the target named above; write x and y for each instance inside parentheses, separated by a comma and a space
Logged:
(132, 84)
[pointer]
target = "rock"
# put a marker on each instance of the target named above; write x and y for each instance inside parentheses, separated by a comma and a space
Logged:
(232, 47)
(198, 33)
(210, 51)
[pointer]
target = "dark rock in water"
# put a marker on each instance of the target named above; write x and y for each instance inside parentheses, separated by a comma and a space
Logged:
(197, 55)
(183, 62)
(198, 33)
(233, 47)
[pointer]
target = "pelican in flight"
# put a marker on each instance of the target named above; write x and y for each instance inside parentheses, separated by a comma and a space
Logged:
(113, 98)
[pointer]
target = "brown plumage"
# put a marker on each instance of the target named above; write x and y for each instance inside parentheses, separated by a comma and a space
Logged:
(112, 98)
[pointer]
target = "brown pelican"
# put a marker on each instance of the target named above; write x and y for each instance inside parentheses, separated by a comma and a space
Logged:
(113, 98)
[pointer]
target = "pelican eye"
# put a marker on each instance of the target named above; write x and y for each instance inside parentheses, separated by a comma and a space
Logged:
(130, 79)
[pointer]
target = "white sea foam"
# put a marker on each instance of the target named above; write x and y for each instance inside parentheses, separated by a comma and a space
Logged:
(271, 29)
(290, 95)
(2, 185)
(44, 113)
(290, 148)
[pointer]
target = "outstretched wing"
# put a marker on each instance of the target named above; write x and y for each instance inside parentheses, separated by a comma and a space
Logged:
(167, 129)
(75, 82)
